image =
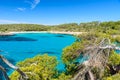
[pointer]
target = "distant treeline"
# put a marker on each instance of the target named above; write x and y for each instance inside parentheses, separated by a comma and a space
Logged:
(22, 27)
(104, 27)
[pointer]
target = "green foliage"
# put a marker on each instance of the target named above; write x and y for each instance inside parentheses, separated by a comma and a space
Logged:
(111, 28)
(41, 67)
(22, 27)
(114, 59)
(106, 72)
(94, 37)
(117, 39)
(63, 76)
(114, 77)
(70, 53)
(38, 68)
(97, 73)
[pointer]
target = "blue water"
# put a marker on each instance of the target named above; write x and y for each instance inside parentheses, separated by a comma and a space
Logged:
(26, 45)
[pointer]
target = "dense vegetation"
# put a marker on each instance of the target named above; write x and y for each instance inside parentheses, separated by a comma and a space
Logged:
(72, 55)
(40, 68)
(110, 74)
(22, 27)
(111, 27)
(44, 67)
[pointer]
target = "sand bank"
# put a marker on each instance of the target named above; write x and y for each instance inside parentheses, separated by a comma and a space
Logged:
(55, 32)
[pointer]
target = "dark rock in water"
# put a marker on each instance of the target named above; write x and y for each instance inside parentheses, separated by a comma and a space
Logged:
(12, 38)
(49, 52)
(62, 35)
(23, 39)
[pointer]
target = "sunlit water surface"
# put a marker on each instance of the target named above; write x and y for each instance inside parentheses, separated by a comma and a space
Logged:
(27, 45)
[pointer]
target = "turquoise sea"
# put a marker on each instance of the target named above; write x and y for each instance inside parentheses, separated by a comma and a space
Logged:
(27, 45)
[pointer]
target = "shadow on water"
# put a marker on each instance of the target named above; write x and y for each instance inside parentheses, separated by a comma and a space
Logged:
(12, 38)
(60, 35)
(49, 52)
(7, 68)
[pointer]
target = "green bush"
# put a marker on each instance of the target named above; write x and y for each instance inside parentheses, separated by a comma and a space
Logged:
(37, 68)
(114, 59)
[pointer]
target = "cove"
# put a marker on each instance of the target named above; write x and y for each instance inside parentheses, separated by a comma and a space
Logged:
(20, 46)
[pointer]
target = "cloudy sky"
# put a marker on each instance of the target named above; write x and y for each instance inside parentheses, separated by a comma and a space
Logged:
(51, 12)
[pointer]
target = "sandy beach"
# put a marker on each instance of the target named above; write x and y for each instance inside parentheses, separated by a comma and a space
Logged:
(6, 34)
(55, 32)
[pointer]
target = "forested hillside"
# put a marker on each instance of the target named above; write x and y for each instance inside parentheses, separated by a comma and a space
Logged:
(104, 27)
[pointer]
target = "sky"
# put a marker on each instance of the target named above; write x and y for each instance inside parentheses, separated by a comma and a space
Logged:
(52, 12)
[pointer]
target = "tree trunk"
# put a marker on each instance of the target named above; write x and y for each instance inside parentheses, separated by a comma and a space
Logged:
(4, 73)
(24, 76)
(91, 75)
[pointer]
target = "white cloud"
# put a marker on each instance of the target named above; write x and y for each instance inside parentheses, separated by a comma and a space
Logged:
(2, 21)
(33, 3)
(21, 9)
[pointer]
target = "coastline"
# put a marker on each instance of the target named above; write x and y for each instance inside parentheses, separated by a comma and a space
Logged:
(54, 32)
(6, 34)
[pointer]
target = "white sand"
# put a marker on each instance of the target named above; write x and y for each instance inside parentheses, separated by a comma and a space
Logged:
(56, 32)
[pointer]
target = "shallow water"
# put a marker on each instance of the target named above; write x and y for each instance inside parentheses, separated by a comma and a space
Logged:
(27, 45)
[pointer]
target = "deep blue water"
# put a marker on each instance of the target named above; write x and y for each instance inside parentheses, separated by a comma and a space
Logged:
(21, 46)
